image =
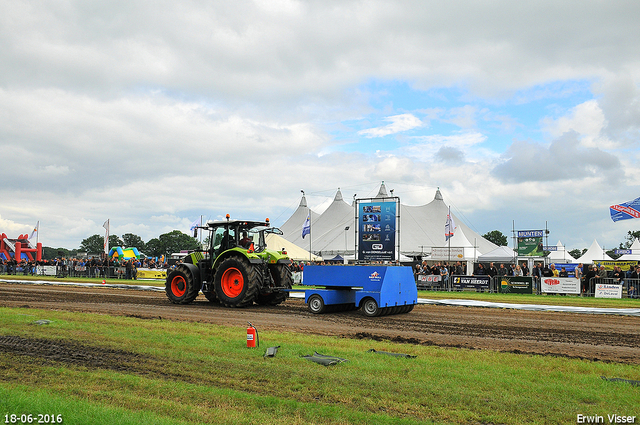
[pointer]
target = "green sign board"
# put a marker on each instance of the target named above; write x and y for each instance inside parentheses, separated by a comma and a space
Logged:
(530, 243)
(515, 284)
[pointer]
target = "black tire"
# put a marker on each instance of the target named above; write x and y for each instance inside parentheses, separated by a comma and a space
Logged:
(316, 304)
(181, 287)
(282, 278)
(236, 282)
(370, 307)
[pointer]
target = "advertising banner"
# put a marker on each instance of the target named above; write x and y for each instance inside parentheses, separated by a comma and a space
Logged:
(624, 265)
(377, 231)
(453, 254)
(476, 282)
(607, 290)
(426, 280)
(516, 284)
(560, 285)
(530, 243)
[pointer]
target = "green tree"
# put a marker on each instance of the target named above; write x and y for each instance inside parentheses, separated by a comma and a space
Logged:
(168, 243)
(95, 244)
(577, 253)
(496, 237)
(92, 244)
(133, 241)
(629, 238)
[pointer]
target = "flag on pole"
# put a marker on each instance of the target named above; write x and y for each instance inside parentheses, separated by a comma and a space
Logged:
(306, 227)
(626, 210)
(106, 237)
(34, 234)
(449, 227)
(194, 227)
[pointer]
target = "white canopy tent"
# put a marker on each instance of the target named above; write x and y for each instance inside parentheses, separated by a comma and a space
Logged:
(635, 252)
(277, 242)
(594, 254)
(561, 255)
(502, 254)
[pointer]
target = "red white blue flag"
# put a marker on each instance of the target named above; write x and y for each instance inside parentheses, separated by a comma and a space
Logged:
(626, 210)
(449, 226)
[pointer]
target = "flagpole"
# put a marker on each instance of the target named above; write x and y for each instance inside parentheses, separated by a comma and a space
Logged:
(449, 239)
(310, 235)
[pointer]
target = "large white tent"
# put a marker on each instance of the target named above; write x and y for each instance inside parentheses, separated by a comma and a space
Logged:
(594, 254)
(421, 228)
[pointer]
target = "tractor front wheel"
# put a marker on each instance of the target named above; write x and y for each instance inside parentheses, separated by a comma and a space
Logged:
(236, 282)
(181, 287)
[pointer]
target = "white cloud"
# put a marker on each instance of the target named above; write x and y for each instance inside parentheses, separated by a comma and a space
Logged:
(399, 123)
(587, 120)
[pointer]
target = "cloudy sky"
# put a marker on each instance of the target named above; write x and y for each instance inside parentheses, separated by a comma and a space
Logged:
(152, 114)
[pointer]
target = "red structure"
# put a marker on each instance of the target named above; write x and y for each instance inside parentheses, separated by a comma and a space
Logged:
(19, 248)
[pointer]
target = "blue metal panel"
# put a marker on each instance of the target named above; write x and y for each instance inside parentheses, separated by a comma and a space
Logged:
(330, 296)
(388, 285)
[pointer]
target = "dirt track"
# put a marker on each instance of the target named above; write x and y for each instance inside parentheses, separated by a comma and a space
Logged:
(594, 337)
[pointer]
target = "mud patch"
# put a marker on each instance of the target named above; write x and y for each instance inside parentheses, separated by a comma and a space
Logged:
(69, 352)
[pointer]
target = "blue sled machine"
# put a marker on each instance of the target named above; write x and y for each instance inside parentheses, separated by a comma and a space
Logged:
(378, 290)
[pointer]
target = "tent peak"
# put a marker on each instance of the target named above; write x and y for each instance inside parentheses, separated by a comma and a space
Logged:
(303, 201)
(382, 192)
(438, 195)
(338, 196)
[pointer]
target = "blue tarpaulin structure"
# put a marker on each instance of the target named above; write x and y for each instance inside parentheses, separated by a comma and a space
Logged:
(625, 210)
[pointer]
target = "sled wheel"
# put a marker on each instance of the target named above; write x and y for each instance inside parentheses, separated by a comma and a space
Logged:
(370, 308)
(316, 304)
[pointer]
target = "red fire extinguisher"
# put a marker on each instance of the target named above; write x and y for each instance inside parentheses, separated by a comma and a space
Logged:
(252, 336)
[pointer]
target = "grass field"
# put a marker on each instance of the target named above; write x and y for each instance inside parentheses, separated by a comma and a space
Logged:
(121, 370)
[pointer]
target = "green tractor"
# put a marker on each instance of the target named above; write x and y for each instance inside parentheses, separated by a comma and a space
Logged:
(236, 269)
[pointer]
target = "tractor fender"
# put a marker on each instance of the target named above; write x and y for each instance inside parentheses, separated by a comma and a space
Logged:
(194, 270)
(284, 261)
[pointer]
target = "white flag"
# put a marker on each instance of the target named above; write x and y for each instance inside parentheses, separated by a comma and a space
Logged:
(106, 237)
(34, 234)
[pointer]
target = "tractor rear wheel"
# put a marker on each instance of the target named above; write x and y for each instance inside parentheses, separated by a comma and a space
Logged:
(181, 287)
(236, 282)
(282, 278)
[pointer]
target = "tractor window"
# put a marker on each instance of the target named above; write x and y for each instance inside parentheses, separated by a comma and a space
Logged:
(258, 239)
(223, 239)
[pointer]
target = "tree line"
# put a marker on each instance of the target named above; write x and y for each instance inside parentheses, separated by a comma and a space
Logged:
(165, 244)
(498, 238)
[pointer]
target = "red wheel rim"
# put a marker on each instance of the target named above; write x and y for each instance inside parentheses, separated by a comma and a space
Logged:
(178, 286)
(232, 282)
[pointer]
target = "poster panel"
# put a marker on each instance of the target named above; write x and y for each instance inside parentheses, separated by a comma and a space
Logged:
(560, 285)
(607, 290)
(624, 265)
(377, 231)
(475, 282)
(428, 280)
(516, 284)
(530, 243)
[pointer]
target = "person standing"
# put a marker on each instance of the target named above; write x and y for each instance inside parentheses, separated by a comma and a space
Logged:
(577, 272)
(525, 269)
